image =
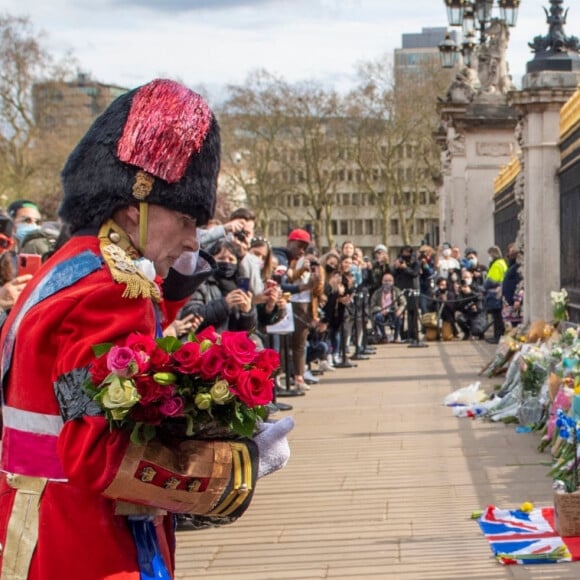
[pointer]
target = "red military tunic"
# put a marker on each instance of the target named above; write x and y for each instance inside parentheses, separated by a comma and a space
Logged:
(79, 536)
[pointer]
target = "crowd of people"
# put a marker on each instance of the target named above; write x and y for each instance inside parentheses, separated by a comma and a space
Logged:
(320, 310)
(338, 304)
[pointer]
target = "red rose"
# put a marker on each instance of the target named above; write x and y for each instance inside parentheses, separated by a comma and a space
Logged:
(254, 387)
(172, 407)
(208, 333)
(99, 370)
(239, 346)
(143, 345)
(159, 359)
(188, 358)
(150, 415)
(149, 390)
(268, 360)
(141, 342)
(212, 362)
(231, 370)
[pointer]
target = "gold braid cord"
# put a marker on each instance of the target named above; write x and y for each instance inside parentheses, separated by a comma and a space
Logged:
(118, 253)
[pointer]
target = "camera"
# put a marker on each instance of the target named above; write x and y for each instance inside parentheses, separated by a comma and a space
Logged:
(242, 236)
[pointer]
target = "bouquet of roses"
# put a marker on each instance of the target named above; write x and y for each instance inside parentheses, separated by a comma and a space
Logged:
(212, 386)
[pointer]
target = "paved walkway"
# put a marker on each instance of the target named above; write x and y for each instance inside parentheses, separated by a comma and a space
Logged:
(382, 482)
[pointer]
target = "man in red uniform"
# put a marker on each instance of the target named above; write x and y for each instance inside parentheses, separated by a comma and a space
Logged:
(75, 498)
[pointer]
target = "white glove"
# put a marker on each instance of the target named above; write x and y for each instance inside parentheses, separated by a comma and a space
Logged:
(186, 263)
(273, 445)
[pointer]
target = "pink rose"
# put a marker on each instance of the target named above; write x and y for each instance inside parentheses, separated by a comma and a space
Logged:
(122, 362)
(172, 407)
(268, 360)
(254, 387)
(188, 358)
(212, 362)
(239, 346)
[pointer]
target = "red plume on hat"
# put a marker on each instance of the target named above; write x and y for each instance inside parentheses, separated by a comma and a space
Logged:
(159, 143)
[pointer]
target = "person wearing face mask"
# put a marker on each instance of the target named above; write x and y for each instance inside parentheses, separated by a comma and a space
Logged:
(471, 262)
(469, 306)
(218, 300)
(32, 236)
(446, 262)
(387, 308)
(26, 218)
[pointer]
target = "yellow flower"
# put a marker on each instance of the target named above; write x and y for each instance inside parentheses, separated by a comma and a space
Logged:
(120, 394)
(220, 392)
(203, 401)
(527, 507)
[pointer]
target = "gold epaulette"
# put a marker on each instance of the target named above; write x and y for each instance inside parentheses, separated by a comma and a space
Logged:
(118, 253)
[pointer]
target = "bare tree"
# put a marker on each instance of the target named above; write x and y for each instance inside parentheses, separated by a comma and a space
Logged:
(23, 62)
(254, 129)
(392, 127)
(318, 141)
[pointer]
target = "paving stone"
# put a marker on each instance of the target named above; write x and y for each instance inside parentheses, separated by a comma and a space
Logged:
(382, 482)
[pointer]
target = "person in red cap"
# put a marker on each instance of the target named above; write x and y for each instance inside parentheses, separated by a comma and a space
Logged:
(304, 281)
(136, 188)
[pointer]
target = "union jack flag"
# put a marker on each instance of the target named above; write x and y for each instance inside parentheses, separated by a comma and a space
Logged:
(518, 537)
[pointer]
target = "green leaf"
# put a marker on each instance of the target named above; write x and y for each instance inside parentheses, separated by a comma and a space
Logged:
(149, 432)
(103, 348)
(189, 428)
(169, 344)
(136, 434)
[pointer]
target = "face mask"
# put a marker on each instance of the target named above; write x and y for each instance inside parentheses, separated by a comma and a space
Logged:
(387, 286)
(226, 269)
(261, 263)
(24, 229)
(446, 253)
(468, 281)
(329, 269)
(472, 262)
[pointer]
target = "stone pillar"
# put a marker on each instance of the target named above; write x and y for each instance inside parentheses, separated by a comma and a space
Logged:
(539, 103)
(479, 141)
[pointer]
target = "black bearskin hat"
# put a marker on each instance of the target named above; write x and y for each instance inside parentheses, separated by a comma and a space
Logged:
(159, 143)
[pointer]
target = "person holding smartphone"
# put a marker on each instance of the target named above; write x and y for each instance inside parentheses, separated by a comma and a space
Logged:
(223, 300)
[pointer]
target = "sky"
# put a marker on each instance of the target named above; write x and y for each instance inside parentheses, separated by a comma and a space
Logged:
(209, 44)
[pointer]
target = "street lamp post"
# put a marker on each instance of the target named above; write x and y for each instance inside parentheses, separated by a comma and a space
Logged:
(473, 15)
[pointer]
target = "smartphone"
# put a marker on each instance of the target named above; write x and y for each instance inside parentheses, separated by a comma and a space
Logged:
(28, 263)
(243, 284)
